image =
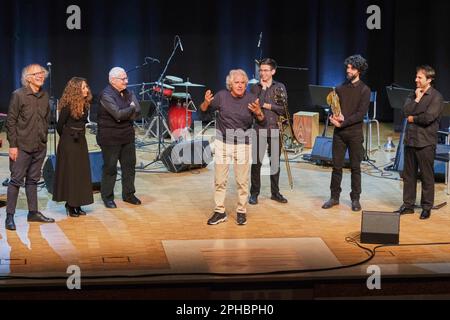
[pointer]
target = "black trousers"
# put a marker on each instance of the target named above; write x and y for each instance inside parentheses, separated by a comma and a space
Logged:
(126, 155)
(265, 142)
(419, 159)
(353, 141)
(27, 167)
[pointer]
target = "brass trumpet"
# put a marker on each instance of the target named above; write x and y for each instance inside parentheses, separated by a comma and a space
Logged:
(334, 103)
(287, 137)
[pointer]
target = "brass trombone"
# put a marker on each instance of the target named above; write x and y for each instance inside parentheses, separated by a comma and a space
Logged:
(287, 137)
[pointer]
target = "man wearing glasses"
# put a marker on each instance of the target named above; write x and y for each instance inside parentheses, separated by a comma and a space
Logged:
(268, 131)
(119, 107)
(26, 127)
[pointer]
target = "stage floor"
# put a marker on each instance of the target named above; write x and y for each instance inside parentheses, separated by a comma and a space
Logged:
(168, 234)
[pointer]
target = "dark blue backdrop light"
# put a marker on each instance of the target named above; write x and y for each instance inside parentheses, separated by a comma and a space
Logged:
(220, 35)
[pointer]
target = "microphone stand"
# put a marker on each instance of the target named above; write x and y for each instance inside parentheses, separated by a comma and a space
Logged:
(53, 108)
(158, 104)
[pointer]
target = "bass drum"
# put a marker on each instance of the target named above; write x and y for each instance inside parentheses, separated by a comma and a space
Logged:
(180, 118)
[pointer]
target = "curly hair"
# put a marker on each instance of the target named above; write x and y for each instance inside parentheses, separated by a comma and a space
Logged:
(231, 76)
(357, 62)
(73, 98)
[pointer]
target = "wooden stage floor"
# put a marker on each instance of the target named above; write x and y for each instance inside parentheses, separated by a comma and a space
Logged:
(168, 234)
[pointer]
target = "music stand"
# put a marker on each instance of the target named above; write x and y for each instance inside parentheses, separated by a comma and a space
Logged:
(397, 98)
(319, 96)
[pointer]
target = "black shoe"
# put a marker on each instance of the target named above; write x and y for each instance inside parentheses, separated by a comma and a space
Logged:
(36, 216)
(80, 211)
(356, 206)
(425, 214)
(241, 219)
(110, 204)
(70, 211)
(133, 200)
(9, 222)
(279, 198)
(253, 199)
(217, 218)
(404, 210)
(330, 203)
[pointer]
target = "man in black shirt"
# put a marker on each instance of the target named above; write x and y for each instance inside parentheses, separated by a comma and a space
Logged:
(26, 128)
(237, 110)
(423, 111)
(268, 133)
(118, 109)
(354, 97)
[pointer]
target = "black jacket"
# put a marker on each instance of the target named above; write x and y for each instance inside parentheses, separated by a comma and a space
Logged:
(116, 115)
(427, 114)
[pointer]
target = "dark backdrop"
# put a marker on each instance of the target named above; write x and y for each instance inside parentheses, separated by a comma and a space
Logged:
(220, 35)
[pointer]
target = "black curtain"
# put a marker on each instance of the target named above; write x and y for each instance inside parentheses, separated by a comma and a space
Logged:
(220, 35)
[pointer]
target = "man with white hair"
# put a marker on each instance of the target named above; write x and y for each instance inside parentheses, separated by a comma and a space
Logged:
(237, 111)
(119, 108)
(26, 127)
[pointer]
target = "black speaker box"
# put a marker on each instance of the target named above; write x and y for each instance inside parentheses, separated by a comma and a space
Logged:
(380, 227)
(96, 162)
(322, 152)
(187, 155)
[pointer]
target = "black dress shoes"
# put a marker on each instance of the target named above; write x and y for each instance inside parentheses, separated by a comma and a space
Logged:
(425, 214)
(330, 204)
(110, 204)
(133, 200)
(404, 210)
(253, 199)
(9, 222)
(279, 198)
(70, 211)
(80, 211)
(36, 216)
(356, 206)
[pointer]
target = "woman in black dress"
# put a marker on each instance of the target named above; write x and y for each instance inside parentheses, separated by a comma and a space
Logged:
(72, 181)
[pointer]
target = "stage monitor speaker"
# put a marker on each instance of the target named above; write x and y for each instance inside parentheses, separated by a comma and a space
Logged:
(322, 152)
(306, 127)
(380, 227)
(187, 155)
(96, 162)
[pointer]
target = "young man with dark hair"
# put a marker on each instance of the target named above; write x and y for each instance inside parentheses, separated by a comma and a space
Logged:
(423, 110)
(268, 133)
(354, 97)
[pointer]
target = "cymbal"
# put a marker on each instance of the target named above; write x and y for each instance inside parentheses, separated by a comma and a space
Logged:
(158, 84)
(188, 84)
(174, 79)
(140, 84)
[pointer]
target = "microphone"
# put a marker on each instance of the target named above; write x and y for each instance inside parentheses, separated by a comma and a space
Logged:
(181, 45)
(259, 41)
(49, 65)
(151, 59)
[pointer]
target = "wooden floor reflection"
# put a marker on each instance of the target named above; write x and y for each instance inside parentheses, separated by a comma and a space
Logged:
(168, 233)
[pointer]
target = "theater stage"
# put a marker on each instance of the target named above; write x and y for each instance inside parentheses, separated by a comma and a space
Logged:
(164, 248)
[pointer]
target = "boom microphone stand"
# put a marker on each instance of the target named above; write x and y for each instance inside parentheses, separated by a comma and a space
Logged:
(159, 102)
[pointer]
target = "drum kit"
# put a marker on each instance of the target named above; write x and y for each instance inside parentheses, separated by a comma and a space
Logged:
(173, 109)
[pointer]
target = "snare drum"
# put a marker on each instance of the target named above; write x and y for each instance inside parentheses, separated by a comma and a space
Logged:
(167, 90)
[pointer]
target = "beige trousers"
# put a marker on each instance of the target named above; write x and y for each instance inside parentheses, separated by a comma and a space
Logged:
(241, 157)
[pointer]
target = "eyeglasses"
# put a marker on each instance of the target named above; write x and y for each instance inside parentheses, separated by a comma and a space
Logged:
(122, 79)
(265, 70)
(37, 74)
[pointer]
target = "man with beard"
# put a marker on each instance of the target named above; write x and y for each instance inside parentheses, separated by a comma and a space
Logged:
(354, 97)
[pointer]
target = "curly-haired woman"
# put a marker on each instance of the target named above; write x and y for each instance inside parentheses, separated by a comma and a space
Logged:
(72, 181)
